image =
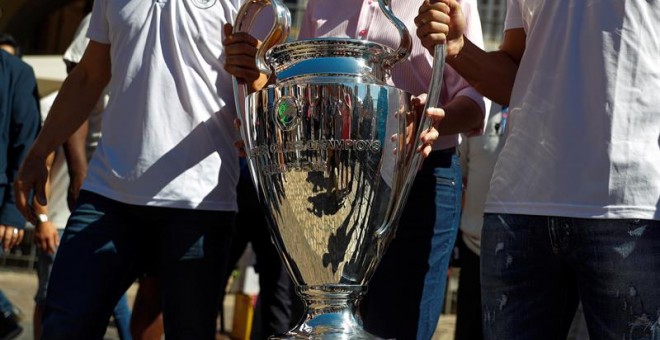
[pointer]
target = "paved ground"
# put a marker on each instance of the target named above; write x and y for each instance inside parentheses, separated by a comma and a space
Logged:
(20, 285)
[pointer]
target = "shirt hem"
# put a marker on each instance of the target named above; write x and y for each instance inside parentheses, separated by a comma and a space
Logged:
(164, 203)
(575, 211)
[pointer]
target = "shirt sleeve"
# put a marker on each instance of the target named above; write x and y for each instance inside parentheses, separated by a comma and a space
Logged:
(514, 17)
(473, 29)
(99, 29)
(307, 27)
(24, 125)
(77, 47)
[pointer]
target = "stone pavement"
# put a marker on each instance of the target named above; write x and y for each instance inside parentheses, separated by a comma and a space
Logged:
(19, 285)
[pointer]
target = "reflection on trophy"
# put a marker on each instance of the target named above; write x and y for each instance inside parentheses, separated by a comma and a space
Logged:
(332, 150)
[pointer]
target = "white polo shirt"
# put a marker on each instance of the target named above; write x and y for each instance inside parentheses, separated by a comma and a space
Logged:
(167, 131)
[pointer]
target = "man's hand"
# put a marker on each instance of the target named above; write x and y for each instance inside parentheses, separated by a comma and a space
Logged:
(75, 183)
(441, 22)
(429, 136)
(10, 237)
(241, 51)
(32, 175)
(46, 237)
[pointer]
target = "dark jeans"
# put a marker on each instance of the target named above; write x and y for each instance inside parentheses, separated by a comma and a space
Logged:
(107, 244)
(276, 295)
(121, 312)
(406, 293)
(535, 269)
(468, 304)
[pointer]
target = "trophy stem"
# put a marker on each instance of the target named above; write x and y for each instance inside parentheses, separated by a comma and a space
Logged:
(331, 312)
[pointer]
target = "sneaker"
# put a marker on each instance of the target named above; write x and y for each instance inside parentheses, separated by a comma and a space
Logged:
(9, 328)
(17, 314)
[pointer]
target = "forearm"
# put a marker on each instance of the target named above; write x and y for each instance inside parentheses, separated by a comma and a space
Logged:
(462, 114)
(490, 73)
(39, 208)
(75, 151)
(76, 99)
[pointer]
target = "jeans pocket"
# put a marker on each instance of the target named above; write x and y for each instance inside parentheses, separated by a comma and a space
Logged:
(445, 181)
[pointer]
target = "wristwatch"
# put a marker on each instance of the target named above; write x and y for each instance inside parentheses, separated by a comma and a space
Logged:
(43, 218)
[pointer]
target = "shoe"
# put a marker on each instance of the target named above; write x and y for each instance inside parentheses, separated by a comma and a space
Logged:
(9, 328)
(17, 314)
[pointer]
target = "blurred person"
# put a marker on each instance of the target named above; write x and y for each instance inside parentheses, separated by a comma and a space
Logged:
(416, 262)
(10, 45)
(572, 213)
(277, 304)
(19, 124)
(478, 156)
(160, 188)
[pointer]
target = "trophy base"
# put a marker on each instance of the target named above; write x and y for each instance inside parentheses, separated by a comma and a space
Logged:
(330, 314)
(329, 326)
(328, 335)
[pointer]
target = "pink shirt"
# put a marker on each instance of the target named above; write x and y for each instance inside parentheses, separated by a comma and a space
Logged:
(349, 19)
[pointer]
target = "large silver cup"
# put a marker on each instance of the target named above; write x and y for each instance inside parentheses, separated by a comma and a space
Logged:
(332, 150)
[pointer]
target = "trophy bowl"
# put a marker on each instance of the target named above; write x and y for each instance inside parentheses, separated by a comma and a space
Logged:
(330, 162)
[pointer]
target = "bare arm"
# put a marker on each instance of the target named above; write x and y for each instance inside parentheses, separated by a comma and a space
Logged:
(78, 95)
(491, 73)
(460, 115)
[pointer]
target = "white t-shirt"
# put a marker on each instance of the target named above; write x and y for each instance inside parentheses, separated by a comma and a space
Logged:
(478, 156)
(58, 208)
(167, 134)
(584, 128)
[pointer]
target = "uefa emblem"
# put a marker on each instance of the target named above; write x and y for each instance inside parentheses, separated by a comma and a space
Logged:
(203, 4)
(287, 113)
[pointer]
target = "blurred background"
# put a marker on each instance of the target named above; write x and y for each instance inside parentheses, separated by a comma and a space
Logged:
(44, 29)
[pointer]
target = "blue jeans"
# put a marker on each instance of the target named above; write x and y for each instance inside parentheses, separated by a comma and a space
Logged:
(107, 244)
(121, 312)
(407, 290)
(535, 269)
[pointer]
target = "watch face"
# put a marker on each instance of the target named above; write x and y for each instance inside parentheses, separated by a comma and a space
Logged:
(203, 3)
(42, 218)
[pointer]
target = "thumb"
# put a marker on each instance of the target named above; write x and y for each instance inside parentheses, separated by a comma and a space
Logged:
(228, 30)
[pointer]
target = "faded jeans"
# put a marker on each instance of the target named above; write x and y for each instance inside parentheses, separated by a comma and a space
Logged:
(405, 295)
(535, 269)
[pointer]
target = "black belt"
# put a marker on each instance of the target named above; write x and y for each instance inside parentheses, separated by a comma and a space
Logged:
(439, 158)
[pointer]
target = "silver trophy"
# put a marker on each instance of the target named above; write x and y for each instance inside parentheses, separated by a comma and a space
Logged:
(332, 149)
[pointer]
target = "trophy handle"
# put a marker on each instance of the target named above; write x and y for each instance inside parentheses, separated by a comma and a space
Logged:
(405, 45)
(432, 98)
(414, 158)
(277, 35)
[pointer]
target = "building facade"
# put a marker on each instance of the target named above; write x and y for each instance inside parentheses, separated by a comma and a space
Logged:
(492, 14)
